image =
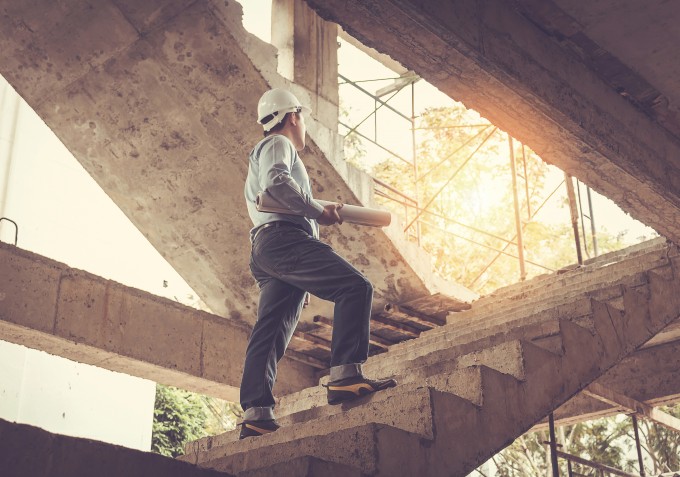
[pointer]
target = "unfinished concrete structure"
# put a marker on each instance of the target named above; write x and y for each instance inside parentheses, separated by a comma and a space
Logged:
(156, 100)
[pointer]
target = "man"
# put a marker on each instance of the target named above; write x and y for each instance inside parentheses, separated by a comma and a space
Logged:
(288, 261)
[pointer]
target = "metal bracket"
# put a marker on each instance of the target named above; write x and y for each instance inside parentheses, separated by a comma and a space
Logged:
(16, 229)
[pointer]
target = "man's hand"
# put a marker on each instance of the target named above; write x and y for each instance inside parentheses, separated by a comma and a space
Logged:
(330, 215)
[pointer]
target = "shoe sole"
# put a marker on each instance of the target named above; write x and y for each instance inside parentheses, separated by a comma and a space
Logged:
(352, 392)
(249, 430)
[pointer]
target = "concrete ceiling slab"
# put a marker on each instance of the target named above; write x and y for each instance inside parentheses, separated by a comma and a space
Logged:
(643, 35)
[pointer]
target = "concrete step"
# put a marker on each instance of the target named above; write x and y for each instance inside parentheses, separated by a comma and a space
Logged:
(443, 368)
(473, 339)
(358, 421)
(591, 279)
(304, 467)
(505, 357)
(405, 407)
(522, 315)
(352, 446)
(558, 300)
(641, 257)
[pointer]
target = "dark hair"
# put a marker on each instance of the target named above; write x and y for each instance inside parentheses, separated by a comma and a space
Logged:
(279, 126)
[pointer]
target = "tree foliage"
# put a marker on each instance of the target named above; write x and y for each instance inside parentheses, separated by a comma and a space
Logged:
(182, 416)
(608, 441)
(464, 181)
(179, 417)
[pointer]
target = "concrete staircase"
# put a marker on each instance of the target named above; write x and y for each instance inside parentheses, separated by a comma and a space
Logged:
(470, 388)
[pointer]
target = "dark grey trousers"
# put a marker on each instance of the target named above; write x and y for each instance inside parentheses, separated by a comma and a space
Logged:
(287, 262)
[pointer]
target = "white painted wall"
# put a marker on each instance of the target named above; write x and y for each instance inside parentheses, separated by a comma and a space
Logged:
(64, 215)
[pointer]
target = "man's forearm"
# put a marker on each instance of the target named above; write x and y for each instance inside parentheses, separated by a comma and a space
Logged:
(289, 194)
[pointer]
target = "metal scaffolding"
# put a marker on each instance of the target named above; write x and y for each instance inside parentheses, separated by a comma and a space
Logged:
(416, 209)
(596, 469)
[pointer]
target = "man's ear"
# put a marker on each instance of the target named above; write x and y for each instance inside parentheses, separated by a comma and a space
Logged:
(293, 118)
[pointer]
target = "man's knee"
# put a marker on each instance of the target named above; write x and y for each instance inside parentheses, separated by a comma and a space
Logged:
(363, 285)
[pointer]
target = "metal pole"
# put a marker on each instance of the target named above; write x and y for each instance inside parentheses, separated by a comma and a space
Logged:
(592, 221)
(637, 445)
(545, 201)
(518, 223)
(574, 215)
(415, 162)
(553, 446)
(580, 211)
(382, 103)
(375, 120)
(526, 182)
(426, 206)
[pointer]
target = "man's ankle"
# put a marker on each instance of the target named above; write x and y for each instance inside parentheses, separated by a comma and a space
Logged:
(344, 371)
(255, 413)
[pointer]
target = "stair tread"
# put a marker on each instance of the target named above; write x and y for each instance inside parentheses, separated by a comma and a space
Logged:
(468, 427)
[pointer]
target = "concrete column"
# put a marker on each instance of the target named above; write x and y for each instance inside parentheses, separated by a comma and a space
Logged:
(308, 55)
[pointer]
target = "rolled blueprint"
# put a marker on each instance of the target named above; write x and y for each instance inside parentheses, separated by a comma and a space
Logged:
(348, 213)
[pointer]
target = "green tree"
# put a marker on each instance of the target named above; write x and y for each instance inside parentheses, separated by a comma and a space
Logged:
(179, 417)
(222, 415)
(608, 441)
(464, 180)
(661, 445)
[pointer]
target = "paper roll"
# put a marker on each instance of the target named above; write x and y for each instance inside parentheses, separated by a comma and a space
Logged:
(348, 213)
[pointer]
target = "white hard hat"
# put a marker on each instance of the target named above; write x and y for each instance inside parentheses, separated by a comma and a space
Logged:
(273, 106)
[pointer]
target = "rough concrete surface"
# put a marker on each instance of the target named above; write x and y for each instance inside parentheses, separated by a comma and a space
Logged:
(28, 451)
(48, 306)
(158, 104)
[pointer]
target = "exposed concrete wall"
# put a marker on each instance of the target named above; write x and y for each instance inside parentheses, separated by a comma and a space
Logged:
(493, 59)
(27, 451)
(158, 101)
(48, 306)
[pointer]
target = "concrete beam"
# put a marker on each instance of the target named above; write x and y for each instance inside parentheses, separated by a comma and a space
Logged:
(382, 58)
(495, 60)
(30, 451)
(642, 409)
(66, 312)
(648, 376)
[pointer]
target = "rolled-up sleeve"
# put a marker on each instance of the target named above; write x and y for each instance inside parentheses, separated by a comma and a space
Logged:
(276, 161)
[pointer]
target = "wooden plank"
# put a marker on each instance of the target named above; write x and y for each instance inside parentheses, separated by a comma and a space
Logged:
(408, 314)
(316, 340)
(395, 326)
(309, 360)
(376, 341)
